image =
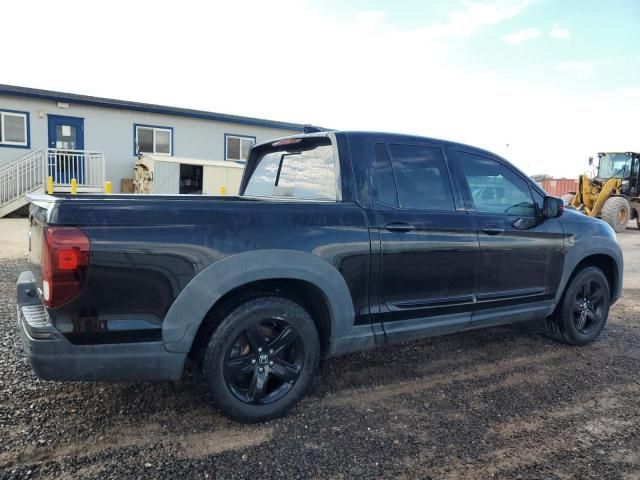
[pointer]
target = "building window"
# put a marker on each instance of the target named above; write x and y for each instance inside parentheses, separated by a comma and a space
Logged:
(151, 139)
(237, 147)
(14, 128)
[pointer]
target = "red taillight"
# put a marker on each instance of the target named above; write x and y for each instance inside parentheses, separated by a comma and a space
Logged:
(65, 257)
(68, 259)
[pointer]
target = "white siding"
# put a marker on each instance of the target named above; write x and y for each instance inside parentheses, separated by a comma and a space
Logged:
(111, 131)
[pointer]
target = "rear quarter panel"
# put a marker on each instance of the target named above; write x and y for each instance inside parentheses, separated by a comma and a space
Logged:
(145, 251)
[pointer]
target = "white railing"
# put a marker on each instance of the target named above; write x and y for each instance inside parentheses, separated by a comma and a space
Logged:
(22, 176)
(30, 172)
(85, 166)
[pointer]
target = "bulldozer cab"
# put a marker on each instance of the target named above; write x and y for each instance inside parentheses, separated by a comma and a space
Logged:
(624, 166)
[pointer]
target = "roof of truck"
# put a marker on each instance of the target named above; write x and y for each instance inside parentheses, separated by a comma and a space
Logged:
(387, 136)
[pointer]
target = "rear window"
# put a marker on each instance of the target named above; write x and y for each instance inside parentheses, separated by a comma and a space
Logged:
(303, 170)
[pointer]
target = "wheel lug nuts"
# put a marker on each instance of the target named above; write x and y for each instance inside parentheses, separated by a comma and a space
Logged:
(259, 349)
(253, 361)
(261, 369)
(271, 364)
(270, 352)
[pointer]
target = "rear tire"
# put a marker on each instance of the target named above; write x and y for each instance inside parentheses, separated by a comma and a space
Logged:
(616, 212)
(261, 359)
(583, 309)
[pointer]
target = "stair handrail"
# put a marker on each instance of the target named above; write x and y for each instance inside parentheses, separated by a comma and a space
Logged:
(20, 159)
(26, 171)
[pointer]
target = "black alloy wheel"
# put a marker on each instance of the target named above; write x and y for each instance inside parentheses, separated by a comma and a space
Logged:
(583, 309)
(588, 305)
(261, 358)
(264, 361)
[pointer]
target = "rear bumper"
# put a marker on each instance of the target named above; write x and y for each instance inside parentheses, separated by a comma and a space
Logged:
(53, 357)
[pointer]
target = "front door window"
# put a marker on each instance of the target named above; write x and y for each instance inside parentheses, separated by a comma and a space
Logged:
(494, 188)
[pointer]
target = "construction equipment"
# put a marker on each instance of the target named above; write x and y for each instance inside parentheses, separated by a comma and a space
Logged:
(613, 195)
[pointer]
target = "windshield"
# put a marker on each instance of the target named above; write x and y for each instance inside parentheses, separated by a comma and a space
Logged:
(303, 170)
(614, 165)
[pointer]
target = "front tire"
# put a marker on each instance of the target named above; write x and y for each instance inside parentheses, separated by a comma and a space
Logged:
(261, 359)
(583, 309)
(616, 212)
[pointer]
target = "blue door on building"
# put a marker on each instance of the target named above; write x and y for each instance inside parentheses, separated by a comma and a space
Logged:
(67, 161)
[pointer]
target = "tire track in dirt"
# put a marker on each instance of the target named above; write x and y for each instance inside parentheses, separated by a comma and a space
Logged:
(187, 445)
(363, 397)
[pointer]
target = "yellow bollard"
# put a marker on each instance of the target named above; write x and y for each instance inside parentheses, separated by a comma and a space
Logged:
(223, 190)
(50, 185)
(74, 186)
(107, 187)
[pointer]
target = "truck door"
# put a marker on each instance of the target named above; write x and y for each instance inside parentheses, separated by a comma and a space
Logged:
(521, 254)
(428, 247)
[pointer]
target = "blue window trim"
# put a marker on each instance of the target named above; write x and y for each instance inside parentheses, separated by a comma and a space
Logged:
(136, 125)
(28, 145)
(239, 136)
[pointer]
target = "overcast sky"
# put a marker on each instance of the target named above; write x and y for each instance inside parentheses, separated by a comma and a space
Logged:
(555, 80)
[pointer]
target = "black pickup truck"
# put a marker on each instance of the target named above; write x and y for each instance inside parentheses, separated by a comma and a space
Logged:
(338, 241)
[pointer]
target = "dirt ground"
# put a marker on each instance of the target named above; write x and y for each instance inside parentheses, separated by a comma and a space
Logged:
(506, 402)
(630, 242)
(14, 238)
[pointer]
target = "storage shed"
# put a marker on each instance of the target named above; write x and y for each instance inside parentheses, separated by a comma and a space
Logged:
(160, 174)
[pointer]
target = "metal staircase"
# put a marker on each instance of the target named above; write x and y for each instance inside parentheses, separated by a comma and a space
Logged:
(29, 173)
(19, 177)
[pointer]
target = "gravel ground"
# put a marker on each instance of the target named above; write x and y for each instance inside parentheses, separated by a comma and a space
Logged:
(13, 238)
(630, 243)
(505, 402)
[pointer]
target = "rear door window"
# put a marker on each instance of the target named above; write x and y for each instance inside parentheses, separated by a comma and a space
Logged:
(421, 177)
(383, 184)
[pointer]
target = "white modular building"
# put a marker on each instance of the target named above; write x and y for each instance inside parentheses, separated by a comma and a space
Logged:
(91, 139)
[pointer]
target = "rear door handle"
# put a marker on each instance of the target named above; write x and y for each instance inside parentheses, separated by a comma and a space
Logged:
(399, 227)
(492, 230)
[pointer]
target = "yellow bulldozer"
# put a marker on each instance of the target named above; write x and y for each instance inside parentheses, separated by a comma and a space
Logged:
(613, 195)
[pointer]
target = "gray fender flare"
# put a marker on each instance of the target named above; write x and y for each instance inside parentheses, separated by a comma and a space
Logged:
(190, 307)
(583, 248)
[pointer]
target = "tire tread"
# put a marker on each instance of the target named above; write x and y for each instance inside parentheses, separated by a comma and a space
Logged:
(610, 211)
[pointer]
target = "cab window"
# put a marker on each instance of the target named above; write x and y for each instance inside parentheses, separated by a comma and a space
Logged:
(495, 188)
(421, 177)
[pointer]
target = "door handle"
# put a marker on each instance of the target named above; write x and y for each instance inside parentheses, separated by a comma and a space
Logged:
(399, 227)
(492, 230)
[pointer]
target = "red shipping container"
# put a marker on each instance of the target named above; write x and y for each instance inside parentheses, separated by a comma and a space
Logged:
(556, 187)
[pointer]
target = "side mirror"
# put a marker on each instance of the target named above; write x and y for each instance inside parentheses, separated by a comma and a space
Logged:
(552, 207)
